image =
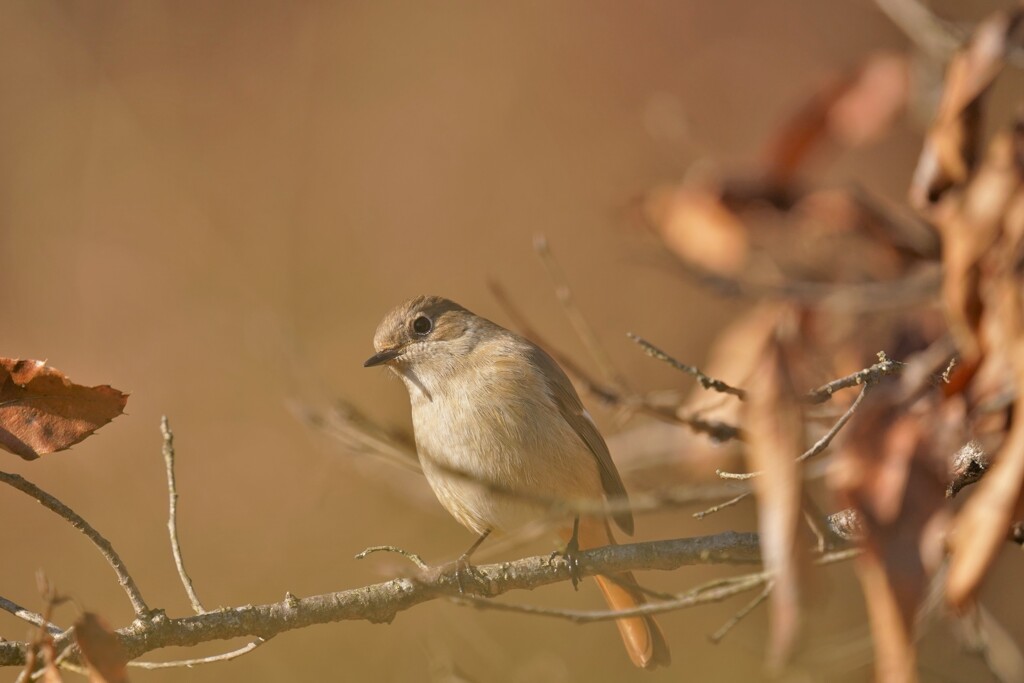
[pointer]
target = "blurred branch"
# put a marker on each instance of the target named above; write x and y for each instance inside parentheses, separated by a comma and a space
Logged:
(705, 381)
(937, 37)
(931, 34)
(721, 506)
(883, 368)
(918, 287)
(735, 619)
(819, 446)
(101, 543)
(579, 323)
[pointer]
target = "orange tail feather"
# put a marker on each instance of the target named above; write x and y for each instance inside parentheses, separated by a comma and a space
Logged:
(641, 635)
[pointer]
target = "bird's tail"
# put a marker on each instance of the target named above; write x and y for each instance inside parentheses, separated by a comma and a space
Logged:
(641, 635)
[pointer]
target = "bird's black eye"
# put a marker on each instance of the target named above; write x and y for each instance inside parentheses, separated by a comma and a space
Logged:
(422, 325)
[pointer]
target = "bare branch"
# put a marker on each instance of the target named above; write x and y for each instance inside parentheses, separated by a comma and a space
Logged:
(705, 381)
(931, 35)
(172, 518)
(715, 592)
(819, 446)
(883, 368)
(380, 603)
(101, 543)
(29, 616)
(721, 506)
(723, 631)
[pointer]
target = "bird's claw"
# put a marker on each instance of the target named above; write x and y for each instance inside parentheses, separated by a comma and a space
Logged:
(463, 570)
(571, 556)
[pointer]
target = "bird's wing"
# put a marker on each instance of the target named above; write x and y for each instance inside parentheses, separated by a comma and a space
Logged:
(571, 409)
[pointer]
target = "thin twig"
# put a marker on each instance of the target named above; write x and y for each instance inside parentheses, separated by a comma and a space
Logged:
(735, 619)
(814, 450)
(172, 519)
(76, 520)
(915, 289)
(606, 394)
(883, 368)
(721, 506)
(412, 557)
(189, 663)
(932, 35)
(698, 596)
(579, 323)
(705, 381)
(713, 591)
(29, 616)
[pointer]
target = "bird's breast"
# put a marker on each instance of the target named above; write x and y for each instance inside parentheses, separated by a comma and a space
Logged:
(497, 458)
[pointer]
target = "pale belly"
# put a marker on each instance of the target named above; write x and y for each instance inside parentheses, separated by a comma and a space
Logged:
(493, 471)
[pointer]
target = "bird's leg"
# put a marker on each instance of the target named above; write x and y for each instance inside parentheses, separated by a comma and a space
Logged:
(462, 564)
(571, 553)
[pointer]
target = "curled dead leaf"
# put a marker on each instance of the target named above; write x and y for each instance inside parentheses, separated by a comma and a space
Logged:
(102, 650)
(853, 109)
(950, 148)
(774, 425)
(42, 411)
(699, 228)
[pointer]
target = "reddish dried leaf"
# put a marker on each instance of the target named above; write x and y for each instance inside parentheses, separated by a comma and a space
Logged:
(699, 228)
(972, 255)
(802, 132)
(102, 650)
(774, 427)
(949, 150)
(853, 109)
(887, 473)
(41, 411)
(871, 103)
(51, 674)
(981, 527)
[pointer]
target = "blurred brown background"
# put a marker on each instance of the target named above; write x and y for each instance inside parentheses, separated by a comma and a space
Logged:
(211, 205)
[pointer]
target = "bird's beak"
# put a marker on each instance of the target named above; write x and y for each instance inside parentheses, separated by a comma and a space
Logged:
(382, 357)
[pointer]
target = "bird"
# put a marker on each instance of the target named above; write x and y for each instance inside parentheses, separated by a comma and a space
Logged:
(502, 437)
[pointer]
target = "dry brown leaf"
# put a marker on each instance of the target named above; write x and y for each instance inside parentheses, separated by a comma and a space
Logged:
(699, 228)
(853, 109)
(42, 411)
(775, 434)
(949, 150)
(51, 674)
(868, 107)
(102, 650)
(981, 527)
(887, 473)
(972, 229)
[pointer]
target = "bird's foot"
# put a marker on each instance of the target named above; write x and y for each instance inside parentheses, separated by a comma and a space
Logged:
(464, 571)
(571, 555)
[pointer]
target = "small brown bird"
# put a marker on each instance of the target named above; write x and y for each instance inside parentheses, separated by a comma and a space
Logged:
(501, 434)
